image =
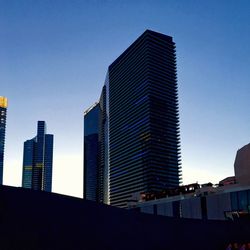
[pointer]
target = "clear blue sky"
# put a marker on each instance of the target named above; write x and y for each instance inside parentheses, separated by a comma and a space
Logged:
(54, 56)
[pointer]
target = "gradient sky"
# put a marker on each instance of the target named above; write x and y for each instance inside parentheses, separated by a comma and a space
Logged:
(54, 55)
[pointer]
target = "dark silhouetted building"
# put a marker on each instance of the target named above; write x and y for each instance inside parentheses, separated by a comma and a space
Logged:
(139, 131)
(38, 160)
(35, 220)
(143, 118)
(3, 113)
(242, 165)
(95, 181)
(91, 145)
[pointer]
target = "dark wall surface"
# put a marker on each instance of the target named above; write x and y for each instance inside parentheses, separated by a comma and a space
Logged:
(38, 220)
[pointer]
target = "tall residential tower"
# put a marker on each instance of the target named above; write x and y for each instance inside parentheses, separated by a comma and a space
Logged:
(143, 119)
(38, 160)
(3, 114)
(141, 125)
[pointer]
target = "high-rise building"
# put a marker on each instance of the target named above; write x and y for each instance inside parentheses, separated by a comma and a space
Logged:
(143, 119)
(95, 181)
(91, 145)
(139, 130)
(3, 114)
(38, 160)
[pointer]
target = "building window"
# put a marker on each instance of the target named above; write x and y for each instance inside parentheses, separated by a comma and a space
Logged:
(243, 201)
(234, 201)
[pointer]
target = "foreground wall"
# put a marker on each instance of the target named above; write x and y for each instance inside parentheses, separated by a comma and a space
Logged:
(39, 220)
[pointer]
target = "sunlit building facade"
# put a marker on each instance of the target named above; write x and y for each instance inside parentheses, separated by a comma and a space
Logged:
(3, 115)
(38, 160)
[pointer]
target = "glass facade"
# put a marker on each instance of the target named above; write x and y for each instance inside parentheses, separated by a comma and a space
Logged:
(96, 173)
(3, 115)
(28, 162)
(38, 160)
(38, 169)
(91, 149)
(48, 162)
(240, 201)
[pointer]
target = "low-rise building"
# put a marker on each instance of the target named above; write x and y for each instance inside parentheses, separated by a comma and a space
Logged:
(230, 199)
(208, 202)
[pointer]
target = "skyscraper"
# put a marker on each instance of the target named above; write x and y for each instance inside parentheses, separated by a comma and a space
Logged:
(3, 114)
(38, 160)
(140, 122)
(95, 180)
(91, 145)
(143, 119)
